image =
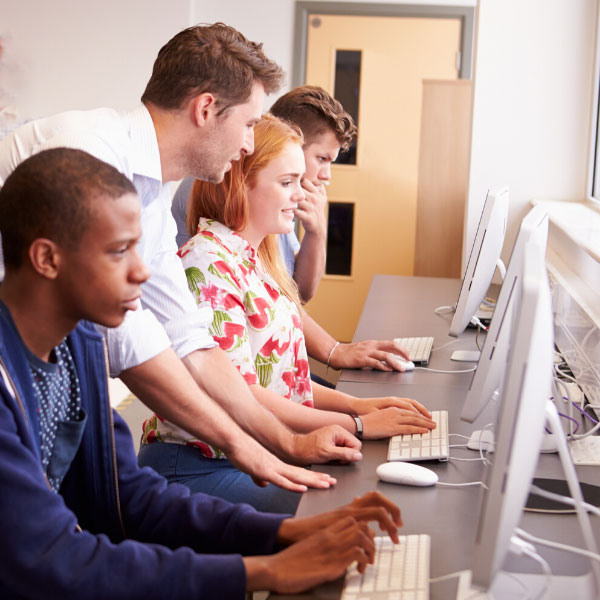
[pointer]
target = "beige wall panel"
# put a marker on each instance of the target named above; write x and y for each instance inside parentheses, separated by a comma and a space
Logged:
(443, 177)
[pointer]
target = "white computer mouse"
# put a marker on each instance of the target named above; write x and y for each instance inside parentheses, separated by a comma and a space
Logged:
(405, 473)
(407, 365)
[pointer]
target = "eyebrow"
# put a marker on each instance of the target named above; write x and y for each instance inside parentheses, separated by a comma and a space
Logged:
(291, 175)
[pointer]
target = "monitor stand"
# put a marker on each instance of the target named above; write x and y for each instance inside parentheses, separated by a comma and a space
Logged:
(513, 585)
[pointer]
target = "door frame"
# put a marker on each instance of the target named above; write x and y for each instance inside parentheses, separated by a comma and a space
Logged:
(466, 14)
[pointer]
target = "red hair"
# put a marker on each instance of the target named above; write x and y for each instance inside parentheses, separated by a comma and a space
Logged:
(227, 202)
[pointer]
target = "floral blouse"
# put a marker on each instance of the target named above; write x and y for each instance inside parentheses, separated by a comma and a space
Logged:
(258, 327)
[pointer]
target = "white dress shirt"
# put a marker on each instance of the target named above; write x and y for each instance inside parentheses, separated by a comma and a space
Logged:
(128, 142)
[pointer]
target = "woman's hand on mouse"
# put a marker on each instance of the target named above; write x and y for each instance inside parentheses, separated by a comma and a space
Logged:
(394, 421)
(375, 354)
(363, 406)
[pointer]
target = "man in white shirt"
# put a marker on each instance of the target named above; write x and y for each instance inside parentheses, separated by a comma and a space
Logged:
(204, 96)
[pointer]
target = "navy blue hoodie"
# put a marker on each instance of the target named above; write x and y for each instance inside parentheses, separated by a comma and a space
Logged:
(114, 530)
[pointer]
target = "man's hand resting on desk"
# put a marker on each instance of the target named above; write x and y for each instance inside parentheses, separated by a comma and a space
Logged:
(323, 546)
(264, 468)
(376, 354)
(326, 443)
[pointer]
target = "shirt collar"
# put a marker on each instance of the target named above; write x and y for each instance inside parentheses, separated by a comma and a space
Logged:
(144, 156)
(230, 239)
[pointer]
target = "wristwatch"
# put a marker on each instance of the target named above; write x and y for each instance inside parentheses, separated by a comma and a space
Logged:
(359, 427)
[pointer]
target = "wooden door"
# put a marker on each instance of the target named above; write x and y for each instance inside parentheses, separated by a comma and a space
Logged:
(377, 196)
(444, 155)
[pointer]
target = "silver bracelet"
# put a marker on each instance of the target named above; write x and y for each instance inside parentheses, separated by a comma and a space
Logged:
(359, 426)
(331, 353)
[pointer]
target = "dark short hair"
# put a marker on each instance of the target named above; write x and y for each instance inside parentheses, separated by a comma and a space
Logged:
(51, 195)
(315, 112)
(210, 58)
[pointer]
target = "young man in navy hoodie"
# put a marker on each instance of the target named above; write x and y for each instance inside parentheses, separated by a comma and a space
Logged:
(79, 517)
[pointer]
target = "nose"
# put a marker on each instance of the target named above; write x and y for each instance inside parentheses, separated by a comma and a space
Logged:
(325, 172)
(248, 147)
(298, 193)
(139, 272)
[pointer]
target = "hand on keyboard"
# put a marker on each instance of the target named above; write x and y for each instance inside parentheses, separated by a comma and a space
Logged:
(323, 546)
(322, 556)
(372, 506)
(394, 421)
(363, 406)
(376, 354)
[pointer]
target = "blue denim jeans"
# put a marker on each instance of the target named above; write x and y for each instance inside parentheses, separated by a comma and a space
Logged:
(215, 477)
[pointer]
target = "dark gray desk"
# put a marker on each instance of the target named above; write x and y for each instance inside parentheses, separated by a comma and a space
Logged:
(449, 515)
(399, 306)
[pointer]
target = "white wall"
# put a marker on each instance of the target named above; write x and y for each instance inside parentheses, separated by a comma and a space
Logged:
(532, 103)
(68, 54)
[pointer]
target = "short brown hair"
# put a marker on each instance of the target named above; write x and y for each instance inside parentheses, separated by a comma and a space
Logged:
(51, 195)
(315, 111)
(210, 58)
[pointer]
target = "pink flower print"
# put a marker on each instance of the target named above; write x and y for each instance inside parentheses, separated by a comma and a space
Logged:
(288, 379)
(232, 334)
(297, 321)
(249, 378)
(205, 449)
(222, 267)
(213, 238)
(273, 293)
(185, 249)
(273, 344)
(263, 314)
(232, 301)
(211, 293)
(302, 368)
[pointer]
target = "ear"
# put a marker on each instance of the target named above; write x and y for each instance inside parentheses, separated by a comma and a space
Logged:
(202, 108)
(45, 257)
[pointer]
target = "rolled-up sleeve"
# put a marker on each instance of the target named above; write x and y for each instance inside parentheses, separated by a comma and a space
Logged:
(166, 293)
(138, 339)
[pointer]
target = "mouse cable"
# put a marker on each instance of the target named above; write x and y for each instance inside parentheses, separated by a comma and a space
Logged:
(556, 545)
(564, 374)
(522, 548)
(456, 575)
(444, 345)
(468, 483)
(464, 585)
(483, 458)
(443, 310)
(442, 371)
(563, 499)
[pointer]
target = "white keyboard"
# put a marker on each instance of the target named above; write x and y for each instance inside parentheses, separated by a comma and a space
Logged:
(586, 451)
(422, 446)
(418, 348)
(400, 571)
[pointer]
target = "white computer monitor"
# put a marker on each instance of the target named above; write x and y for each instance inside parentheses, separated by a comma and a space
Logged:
(484, 256)
(492, 361)
(521, 418)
